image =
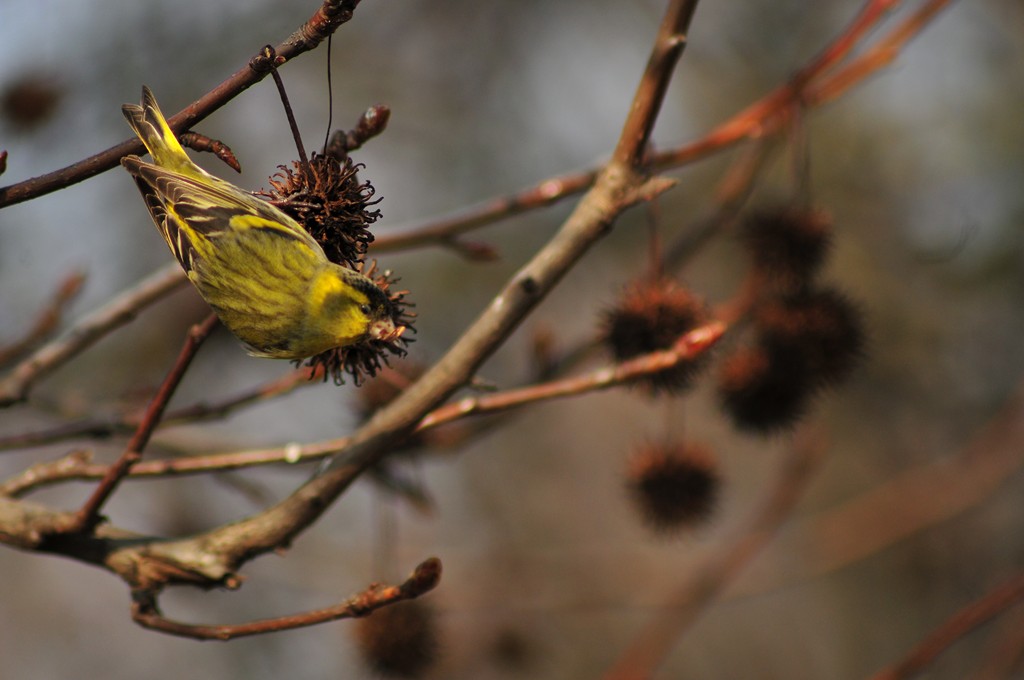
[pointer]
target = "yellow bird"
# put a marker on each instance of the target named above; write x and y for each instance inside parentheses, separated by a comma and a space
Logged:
(266, 278)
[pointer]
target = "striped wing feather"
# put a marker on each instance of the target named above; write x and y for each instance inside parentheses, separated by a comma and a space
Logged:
(189, 211)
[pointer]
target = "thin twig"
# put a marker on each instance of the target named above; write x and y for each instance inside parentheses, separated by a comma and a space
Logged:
(103, 428)
(972, 616)
(688, 347)
(446, 229)
(1003, 657)
(202, 143)
(372, 123)
(272, 59)
(757, 121)
(650, 94)
(14, 387)
(881, 54)
(896, 509)
(46, 321)
(328, 17)
(424, 578)
(89, 514)
(79, 467)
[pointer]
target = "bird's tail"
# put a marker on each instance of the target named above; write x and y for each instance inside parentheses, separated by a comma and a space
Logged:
(150, 125)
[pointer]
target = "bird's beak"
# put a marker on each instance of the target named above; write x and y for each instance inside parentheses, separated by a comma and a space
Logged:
(385, 330)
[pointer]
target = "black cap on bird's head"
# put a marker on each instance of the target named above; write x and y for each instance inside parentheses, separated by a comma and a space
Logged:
(379, 310)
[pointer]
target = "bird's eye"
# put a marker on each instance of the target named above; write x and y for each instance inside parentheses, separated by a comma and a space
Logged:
(365, 309)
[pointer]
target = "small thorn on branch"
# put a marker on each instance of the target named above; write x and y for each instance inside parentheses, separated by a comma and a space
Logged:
(201, 142)
(372, 123)
(47, 321)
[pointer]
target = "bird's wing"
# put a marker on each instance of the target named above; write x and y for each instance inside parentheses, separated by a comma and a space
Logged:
(193, 214)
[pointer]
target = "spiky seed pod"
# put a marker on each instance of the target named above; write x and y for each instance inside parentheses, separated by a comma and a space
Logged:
(31, 100)
(399, 641)
(513, 651)
(673, 484)
(787, 244)
(330, 202)
(651, 315)
(365, 358)
(820, 326)
(764, 389)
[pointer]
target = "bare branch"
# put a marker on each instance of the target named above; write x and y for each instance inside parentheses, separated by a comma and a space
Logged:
(79, 466)
(47, 320)
(424, 578)
(878, 56)
(14, 387)
(108, 427)
(327, 18)
(89, 514)
(686, 348)
(200, 142)
(920, 497)
(957, 626)
(757, 121)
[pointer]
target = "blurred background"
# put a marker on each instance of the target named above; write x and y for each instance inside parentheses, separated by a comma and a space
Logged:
(548, 572)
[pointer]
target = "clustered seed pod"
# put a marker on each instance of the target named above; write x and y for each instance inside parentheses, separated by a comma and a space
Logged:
(807, 336)
(651, 315)
(30, 101)
(673, 484)
(787, 245)
(399, 641)
(820, 326)
(760, 391)
(331, 203)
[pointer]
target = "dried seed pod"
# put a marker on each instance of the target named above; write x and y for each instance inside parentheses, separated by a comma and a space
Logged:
(764, 390)
(788, 245)
(819, 326)
(399, 641)
(673, 484)
(651, 315)
(331, 203)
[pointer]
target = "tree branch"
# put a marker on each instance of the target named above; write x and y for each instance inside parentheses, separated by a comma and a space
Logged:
(424, 578)
(327, 18)
(99, 428)
(14, 387)
(957, 626)
(47, 320)
(89, 514)
(760, 119)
